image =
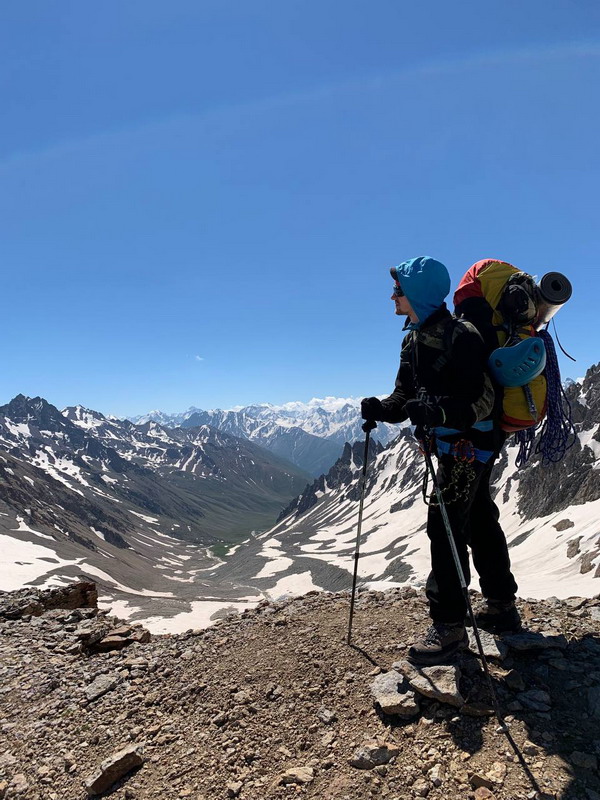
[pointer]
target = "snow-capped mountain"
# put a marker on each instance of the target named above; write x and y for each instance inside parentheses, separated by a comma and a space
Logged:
(87, 494)
(310, 435)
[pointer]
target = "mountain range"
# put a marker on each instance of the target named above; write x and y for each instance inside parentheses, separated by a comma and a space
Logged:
(138, 507)
(310, 435)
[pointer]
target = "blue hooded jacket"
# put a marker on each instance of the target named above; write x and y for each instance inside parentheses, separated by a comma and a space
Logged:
(426, 284)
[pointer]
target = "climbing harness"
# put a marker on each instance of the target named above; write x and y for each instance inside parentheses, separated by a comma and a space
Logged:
(462, 474)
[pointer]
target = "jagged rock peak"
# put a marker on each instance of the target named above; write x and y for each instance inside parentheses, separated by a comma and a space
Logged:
(23, 409)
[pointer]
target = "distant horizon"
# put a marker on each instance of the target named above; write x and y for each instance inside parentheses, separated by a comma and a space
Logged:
(314, 402)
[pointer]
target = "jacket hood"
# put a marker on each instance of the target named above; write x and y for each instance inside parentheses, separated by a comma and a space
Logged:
(426, 284)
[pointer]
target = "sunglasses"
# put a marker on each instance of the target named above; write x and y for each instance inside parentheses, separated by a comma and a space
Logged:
(398, 290)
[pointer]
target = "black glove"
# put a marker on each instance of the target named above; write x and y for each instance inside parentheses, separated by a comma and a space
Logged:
(371, 409)
(424, 413)
(369, 425)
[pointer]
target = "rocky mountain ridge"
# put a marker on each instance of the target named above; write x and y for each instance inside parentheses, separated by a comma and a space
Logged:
(274, 703)
(310, 435)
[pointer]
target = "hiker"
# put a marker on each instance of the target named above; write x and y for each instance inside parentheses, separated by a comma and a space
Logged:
(444, 388)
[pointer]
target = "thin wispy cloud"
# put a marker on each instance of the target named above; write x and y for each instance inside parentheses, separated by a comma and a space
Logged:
(199, 358)
(438, 66)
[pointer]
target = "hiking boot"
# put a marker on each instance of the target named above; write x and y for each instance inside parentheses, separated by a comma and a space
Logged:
(499, 617)
(442, 641)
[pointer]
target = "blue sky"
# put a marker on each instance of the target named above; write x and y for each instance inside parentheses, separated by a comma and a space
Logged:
(200, 201)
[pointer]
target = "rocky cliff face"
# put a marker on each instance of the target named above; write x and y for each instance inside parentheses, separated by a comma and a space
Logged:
(273, 703)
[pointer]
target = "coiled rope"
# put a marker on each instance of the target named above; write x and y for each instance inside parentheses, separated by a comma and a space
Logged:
(557, 432)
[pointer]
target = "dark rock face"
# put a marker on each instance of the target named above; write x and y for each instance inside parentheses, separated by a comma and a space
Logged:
(573, 481)
(342, 473)
(33, 602)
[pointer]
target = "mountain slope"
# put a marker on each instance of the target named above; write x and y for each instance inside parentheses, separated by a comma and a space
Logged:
(81, 493)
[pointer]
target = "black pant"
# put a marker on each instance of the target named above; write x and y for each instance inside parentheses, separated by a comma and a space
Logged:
(473, 518)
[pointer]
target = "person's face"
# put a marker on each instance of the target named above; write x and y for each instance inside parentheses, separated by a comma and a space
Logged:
(403, 308)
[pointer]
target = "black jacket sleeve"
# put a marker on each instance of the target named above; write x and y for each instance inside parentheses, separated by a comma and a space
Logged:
(393, 406)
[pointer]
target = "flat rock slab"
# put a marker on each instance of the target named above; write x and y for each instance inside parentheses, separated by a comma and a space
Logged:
(373, 753)
(534, 641)
(492, 647)
(439, 682)
(115, 768)
(297, 776)
(101, 685)
(393, 694)
(535, 699)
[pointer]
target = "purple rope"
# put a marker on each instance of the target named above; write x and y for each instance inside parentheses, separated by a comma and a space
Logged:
(557, 433)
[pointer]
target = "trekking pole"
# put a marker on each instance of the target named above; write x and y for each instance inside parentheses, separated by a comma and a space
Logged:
(461, 578)
(360, 514)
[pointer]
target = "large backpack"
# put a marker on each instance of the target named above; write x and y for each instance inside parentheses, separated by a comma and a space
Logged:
(502, 303)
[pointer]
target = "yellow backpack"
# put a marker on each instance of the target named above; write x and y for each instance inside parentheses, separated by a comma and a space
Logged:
(501, 302)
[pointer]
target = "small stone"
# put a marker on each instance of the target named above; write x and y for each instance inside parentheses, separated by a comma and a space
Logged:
(241, 698)
(530, 749)
(478, 780)
(492, 648)
(112, 643)
(100, 686)
(233, 789)
(392, 693)
(19, 784)
(477, 710)
(420, 788)
(514, 680)
(436, 775)
(327, 740)
(585, 760)
(483, 793)
(497, 773)
(535, 699)
(298, 776)
(326, 716)
(115, 768)
(439, 682)
(373, 753)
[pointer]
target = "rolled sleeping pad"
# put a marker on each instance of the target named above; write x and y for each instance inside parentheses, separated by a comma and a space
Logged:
(553, 291)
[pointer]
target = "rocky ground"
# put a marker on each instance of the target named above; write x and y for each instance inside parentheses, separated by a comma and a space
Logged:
(275, 704)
